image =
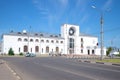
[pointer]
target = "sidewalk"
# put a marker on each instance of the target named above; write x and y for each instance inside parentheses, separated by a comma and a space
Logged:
(5, 73)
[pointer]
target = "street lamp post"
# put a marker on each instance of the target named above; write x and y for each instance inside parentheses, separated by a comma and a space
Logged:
(101, 34)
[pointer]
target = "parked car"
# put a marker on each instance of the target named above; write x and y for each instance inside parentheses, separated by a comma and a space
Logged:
(113, 53)
(30, 55)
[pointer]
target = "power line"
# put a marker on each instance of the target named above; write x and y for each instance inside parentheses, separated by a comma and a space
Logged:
(109, 30)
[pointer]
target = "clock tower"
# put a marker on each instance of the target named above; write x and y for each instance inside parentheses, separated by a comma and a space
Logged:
(71, 35)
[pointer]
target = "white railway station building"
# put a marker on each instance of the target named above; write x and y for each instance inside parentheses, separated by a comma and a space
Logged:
(69, 41)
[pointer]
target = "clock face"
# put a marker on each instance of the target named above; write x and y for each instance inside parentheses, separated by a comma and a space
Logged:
(71, 31)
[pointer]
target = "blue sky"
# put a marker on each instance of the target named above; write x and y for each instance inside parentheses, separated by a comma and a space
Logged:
(48, 16)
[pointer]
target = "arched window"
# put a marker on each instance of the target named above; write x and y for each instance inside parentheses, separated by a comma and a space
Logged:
(25, 39)
(47, 41)
(61, 42)
(25, 48)
(36, 48)
(36, 40)
(52, 41)
(31, 40)
(47, 49)
(42, 40)
(19, 39)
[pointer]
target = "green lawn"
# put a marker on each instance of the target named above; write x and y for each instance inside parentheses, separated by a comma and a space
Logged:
(110, 60)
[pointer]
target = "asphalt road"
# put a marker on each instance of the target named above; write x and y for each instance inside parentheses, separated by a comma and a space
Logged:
(56, 68)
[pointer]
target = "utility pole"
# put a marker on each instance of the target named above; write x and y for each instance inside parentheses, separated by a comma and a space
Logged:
(28, 39)
(102, 36)
(101, 33)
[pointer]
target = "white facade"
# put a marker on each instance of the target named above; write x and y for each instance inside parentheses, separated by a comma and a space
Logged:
(71, 41)
(37, 44)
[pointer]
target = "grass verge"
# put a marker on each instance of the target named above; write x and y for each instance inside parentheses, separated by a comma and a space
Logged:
(110, 60)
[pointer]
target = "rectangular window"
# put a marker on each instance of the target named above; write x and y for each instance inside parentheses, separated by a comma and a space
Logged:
(81, 50)
(42, 50)
(52, 50)
(19, 49)
(93, 52)
(31, 49)
(81, 39)
(81, 45)
(71, 43)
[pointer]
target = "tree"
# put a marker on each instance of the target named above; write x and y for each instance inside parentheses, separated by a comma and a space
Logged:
(10, 52)
(109, 49)
(21, 54)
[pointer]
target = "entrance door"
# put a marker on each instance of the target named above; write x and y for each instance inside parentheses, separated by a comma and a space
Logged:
(71, 46)
(47, 49)
(57, 50)
(88, 52)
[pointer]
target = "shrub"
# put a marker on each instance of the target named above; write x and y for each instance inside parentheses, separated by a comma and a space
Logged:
(108, 50)
(10, 52)
(21, 54)
(118, 55)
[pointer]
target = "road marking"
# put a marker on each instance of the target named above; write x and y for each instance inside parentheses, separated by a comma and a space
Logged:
(78, 73)
(95, 67)
(12, 71)
(71, 72)
(18, 78)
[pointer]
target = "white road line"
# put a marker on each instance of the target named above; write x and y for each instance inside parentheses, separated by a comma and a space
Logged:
(13, 72)
(18, 78)
(96, 67)
(71, 72)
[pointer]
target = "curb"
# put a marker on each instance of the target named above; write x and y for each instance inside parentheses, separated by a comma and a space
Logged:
(114, 64)
(100, 62)
(87, 61)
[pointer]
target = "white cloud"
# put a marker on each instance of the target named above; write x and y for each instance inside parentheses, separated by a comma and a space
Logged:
(107, 4)
(35, 1)
(63, 2)
(80, 2)
(41, 6)
(83, 19)
(87, 30)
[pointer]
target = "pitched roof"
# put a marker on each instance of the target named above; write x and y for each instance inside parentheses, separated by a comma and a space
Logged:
(86, 35)
(44, 35)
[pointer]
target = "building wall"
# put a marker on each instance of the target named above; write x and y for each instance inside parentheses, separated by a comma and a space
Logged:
(86, 46)
(65, 34)
(11, 41)
(89, 43)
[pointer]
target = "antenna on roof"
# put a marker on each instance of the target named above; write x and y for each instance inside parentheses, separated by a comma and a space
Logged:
(24, 31)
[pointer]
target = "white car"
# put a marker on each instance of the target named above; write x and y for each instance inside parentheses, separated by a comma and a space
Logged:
(30, 54)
